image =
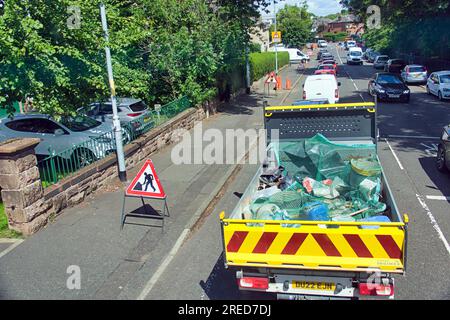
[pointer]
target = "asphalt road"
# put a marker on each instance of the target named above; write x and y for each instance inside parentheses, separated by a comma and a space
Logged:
(407, 147)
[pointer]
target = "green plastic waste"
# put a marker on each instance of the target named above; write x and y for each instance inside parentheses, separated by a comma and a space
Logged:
(346, 178)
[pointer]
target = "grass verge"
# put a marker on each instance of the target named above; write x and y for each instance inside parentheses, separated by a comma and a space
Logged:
(5, 232)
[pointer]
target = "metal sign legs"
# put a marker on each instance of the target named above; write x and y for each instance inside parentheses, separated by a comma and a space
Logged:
(147, 214)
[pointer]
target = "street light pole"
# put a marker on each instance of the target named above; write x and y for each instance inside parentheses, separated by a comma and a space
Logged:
(116, 122)
(276, 49)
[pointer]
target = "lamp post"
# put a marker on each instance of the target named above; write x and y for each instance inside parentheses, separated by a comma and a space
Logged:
(276, 48)
(116, 122)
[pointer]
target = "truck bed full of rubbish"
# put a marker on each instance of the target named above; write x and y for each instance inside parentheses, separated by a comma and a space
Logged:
(316, 179)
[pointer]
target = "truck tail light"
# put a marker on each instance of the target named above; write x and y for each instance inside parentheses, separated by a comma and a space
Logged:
(336, 93)
(304, 95)
(136, 114)
(369, 289)
(253, 283)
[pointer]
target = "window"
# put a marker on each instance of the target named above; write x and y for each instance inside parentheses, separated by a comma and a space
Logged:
(139, 106)
(80, 123)
(34, 125)
(445, 78)
(105, 109)
(388, 78)
(416, 69)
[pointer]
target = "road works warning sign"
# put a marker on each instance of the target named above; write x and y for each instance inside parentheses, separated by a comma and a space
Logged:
(146, 184)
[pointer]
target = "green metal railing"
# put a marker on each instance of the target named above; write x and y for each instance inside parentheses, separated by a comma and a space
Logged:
(64, 163)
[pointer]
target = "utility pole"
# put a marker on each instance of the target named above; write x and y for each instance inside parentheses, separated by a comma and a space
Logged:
(116, 122)
(275, 44)
(247, 69)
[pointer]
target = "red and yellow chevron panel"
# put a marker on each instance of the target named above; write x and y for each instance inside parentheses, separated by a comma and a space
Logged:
(318, 246)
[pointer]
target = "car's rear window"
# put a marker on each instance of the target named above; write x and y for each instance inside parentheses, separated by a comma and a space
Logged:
(383, 58)
(416, 69)
(138, 106)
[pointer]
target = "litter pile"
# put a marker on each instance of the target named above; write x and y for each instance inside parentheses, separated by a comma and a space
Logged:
(321, 181)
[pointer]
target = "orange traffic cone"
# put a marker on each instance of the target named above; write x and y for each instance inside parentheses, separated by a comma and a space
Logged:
(288, 84)
(279, 83)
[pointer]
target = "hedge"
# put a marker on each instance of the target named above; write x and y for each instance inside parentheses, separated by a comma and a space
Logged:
(262, 63)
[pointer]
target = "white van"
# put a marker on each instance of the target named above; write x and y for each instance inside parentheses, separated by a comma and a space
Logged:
(354, 56)
(295, 55)
(320, 87)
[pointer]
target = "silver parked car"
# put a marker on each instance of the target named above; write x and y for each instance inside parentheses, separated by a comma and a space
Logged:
(64, 137)
(380, 62)
(414, 73)
(128, 109)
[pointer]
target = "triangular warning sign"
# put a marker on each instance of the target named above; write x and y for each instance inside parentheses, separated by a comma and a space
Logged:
(146, 184)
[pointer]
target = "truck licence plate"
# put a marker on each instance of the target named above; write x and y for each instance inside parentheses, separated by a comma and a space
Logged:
(313, 285)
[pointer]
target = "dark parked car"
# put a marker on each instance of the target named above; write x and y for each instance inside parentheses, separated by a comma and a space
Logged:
(395, 65)
(443, 155)
(388, 86)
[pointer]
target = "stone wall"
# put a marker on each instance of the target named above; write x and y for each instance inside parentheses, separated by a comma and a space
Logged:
(29, 206)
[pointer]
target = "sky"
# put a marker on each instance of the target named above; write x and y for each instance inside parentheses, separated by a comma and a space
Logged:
(318, 7)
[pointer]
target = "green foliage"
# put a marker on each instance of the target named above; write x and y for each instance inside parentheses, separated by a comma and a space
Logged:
(161, 49)
(408, 26)
(264, 62)
(255, 47)
(340, 36)
(295, 24)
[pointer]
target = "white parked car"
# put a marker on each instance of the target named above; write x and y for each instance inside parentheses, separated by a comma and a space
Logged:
(319, 87)
(439, 84)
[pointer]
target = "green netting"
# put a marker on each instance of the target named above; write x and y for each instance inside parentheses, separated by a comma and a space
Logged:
(338, 181)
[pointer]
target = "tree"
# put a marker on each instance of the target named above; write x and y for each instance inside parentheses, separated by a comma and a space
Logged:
(295, 24)
(407, 26)
(161, 49)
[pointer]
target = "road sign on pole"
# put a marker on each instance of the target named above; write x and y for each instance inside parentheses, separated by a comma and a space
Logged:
(276, 36)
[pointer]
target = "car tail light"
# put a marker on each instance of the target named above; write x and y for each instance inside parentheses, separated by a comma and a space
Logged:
(336, 93)
(136, 114)
(369, 289)
(304, 95)
(253, 283)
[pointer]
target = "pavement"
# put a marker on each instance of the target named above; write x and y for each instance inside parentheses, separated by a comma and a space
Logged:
(412, 131)
(125, 264)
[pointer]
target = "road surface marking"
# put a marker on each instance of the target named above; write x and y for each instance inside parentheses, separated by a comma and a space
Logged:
(431, 150)
(348, 75)
(11, 247)
(394, 154)
(148, 287)
(413, 137)
(293, 87)
(434, 223)
(442, 198)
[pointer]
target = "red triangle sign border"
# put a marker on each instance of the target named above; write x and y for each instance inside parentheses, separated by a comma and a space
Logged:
(146, 194)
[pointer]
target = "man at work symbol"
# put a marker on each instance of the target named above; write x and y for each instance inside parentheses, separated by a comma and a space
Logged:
(148, 181)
